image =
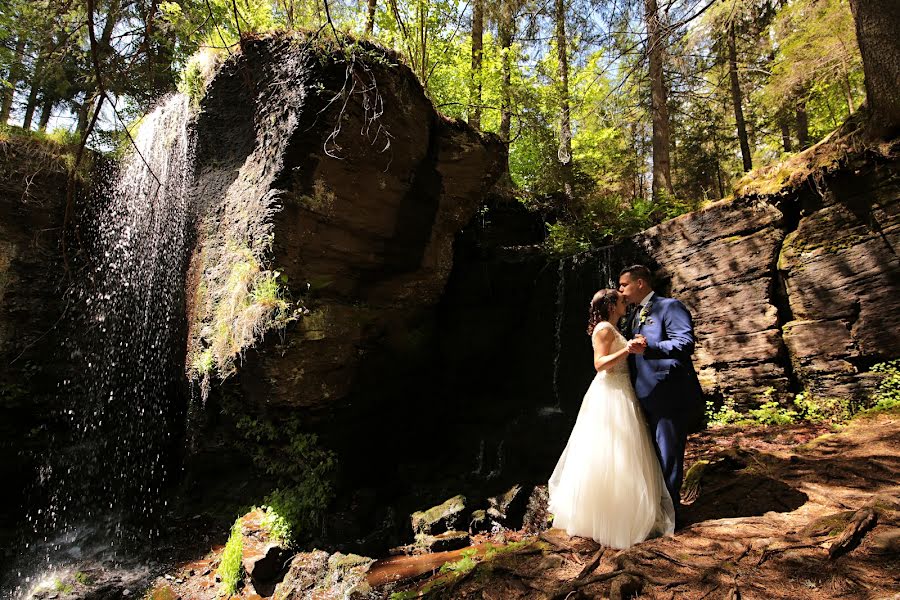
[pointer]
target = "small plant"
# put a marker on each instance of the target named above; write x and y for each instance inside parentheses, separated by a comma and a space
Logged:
(303, 469)
(887, 395)
(278, 528)
(83, 578)
(817, 409)
(773, 413)
(231, 568)
(725, 415)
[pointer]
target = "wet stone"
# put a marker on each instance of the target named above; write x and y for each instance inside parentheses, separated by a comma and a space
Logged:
(440, 518)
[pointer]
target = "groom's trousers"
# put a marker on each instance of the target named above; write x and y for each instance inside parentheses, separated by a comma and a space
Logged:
(670, 438)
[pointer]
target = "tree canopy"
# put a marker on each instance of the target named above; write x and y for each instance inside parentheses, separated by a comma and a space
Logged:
(617, 113)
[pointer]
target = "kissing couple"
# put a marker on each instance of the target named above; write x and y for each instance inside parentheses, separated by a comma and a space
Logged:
(619, 477)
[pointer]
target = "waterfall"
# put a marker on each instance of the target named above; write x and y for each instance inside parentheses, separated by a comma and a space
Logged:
(122, 407)
(557, 338)
(605, 275)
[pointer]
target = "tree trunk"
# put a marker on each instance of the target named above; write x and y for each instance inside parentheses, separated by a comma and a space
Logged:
(877, 24)
(46, 113)
(14, 76)
(802, 125)
(31, 104)
(370, 18)
(662, 176)
(785, 132)
(477, 52)
(505, 36)
(736, 98)
(565, 129)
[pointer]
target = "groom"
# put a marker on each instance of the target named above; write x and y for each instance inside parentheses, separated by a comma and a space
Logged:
(662, 373)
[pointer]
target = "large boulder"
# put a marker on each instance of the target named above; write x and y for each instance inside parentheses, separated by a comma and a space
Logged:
(332, 191)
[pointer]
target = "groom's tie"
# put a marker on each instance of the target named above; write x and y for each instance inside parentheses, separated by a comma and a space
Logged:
(635, 317)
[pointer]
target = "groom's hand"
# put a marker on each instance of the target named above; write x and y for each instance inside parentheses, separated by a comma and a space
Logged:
(637, 345)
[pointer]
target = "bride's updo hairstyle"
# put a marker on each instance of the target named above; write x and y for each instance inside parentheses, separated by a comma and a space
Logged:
(601, 307)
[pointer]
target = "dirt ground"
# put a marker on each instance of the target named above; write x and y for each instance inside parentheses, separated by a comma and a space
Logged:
(794, 512)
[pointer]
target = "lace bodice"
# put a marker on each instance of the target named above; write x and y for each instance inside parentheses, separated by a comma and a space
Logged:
(618, 343)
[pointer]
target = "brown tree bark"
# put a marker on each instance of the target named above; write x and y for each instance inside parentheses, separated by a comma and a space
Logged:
(662, 174)
(14, 76)
(370, 18)
(802, 125)
(46, 112)
(565, 128)
(785, 133)
(36, 80)
(477, 53)
(504, 37)
(737, 99)
(877, 27)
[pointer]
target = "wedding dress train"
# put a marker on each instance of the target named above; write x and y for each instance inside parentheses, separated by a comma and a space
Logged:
(608, 484)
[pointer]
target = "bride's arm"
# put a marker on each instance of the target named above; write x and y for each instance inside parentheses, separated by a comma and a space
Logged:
(604, 357)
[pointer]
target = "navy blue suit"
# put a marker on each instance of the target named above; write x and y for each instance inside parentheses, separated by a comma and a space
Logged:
(666, 382)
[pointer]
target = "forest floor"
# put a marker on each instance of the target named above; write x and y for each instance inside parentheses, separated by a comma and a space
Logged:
(797, 512)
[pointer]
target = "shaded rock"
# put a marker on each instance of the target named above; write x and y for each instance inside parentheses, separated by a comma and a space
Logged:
(478, 522)
(537, 517)
(440, 518)
(265, 560)
(306, 571)
(508, 508)
(316, 574)
(719, 261)
(429, 544)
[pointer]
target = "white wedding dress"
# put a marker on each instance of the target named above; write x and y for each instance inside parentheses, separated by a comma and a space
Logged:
(608, 484)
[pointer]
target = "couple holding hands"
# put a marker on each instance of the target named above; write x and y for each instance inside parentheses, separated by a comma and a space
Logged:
(619, 477)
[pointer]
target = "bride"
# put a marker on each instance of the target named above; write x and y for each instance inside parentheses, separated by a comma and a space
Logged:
(608, 484)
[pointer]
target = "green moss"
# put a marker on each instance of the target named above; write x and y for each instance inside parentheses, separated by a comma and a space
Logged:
(237, 302)
(463, 565)
(61, 586)
(231, 568)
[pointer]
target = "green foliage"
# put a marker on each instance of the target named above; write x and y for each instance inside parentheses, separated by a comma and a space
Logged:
(302, 469)
(64, 588)
(278, 528)
(817, 409)
(725, 415)
(887, 395)
(603, 219)
(773, 413)
(231, 567)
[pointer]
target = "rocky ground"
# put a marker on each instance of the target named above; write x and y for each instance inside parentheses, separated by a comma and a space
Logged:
(795, 511)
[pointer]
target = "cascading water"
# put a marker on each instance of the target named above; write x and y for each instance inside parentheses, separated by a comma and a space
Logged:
(604, 271)
(557, 338)
(123, 407)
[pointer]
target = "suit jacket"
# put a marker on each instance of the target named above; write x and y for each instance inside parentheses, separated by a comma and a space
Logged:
(664, 376)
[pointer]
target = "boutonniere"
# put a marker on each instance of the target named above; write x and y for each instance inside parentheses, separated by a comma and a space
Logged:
(644, 317)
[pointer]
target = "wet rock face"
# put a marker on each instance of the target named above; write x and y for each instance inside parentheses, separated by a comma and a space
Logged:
(345, 181)
(32, 280)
